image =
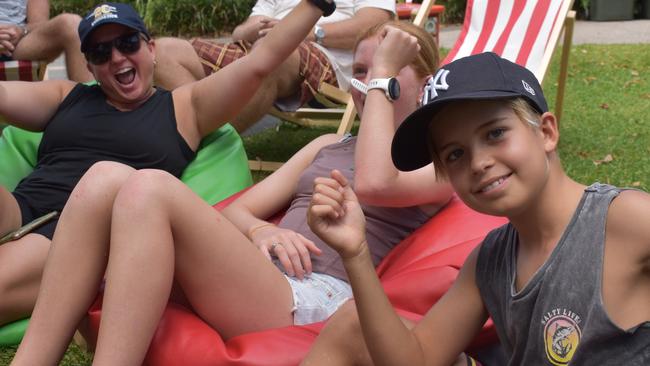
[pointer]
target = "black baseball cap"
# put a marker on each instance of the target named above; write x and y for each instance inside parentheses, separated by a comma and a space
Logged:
(483, 76)
(106, 13)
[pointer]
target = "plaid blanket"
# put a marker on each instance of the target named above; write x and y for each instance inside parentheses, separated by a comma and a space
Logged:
(315, 67)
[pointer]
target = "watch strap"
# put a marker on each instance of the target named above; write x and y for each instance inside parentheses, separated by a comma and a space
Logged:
(359, 85)
(327, 6)
(379, 84)
(319, 34)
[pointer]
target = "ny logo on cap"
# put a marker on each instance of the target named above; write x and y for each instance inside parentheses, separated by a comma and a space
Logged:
(438, 82)
(528, 87)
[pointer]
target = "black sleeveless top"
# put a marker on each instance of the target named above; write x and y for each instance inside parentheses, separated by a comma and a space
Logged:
(86, 129)
(558, 318)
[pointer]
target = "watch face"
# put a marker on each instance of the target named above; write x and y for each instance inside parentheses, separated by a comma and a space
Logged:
(393, 88)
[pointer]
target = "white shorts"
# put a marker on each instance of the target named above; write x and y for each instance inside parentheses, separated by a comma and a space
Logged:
(317, 297)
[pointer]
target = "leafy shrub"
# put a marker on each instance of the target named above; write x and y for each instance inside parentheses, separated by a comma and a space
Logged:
(195, 17)
(80, 7)
(175, 17)
(454, 10)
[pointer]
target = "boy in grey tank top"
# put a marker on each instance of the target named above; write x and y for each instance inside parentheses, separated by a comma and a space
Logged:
(566, 282)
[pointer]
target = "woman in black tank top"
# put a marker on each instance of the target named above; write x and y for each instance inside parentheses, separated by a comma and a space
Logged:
(161, 232)
(121, 119)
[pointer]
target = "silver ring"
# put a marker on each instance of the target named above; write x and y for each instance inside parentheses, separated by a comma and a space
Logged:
(272, 247)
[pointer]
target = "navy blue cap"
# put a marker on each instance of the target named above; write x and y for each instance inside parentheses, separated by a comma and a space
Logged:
(483, 76)
(107, 13)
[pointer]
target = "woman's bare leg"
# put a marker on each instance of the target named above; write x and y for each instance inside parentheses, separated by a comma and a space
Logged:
(341, 341)
(162, 230)
(21, 263)
(21, 268)
(74, 267)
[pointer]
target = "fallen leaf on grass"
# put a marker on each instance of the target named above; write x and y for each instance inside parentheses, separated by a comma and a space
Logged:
(607, 159)
(634, 73)
(636, 184)
(604, 106)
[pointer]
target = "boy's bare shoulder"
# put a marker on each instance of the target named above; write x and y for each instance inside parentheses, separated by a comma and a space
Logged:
(628, 221)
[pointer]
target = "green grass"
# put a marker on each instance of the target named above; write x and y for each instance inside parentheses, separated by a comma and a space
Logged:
(606, 112)
(74, 356)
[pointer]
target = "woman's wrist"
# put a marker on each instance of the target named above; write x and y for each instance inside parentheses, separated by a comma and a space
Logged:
(381, 73)
(253, 229)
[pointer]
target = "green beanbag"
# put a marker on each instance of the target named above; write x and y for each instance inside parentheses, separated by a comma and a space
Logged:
(219, 170)
(18, 150)
(12, 333)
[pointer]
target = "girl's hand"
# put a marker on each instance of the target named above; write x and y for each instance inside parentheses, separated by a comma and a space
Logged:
(291, 248)
(336, 216)
(396, 50)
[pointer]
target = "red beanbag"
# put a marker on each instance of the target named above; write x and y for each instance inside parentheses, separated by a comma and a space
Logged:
(414, 275)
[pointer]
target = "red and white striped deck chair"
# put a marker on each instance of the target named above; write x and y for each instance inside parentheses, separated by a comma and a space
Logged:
(522, 31)
(22, 70)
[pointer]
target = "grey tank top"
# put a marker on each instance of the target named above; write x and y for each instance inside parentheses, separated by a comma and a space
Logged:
(13, 12)
(385, 226)
(558, 318)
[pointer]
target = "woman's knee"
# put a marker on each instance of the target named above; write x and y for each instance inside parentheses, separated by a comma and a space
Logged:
(145, 188)
(66, 27)
(103, 180)
(170, 49)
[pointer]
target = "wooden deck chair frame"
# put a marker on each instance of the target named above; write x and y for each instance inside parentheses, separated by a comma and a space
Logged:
(333, 115)
(533, 51)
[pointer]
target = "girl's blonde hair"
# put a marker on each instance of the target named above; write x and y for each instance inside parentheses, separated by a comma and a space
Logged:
(426, 61)
(526, 113)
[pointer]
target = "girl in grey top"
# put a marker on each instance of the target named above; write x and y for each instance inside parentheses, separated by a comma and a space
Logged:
(567, 281)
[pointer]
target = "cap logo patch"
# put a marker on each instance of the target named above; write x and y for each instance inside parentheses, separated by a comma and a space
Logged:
(103, 12)
(438, 82)
(528, 87)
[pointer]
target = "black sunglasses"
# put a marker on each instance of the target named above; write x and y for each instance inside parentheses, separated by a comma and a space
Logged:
(101, 52)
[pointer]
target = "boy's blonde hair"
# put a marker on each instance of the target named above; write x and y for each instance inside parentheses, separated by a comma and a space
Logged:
(426, 61)
(526, 113)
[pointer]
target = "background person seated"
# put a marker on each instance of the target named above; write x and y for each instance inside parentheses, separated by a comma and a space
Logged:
(27, 33)
(325, 55)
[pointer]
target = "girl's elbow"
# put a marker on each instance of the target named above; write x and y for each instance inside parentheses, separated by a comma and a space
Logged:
(368, 190)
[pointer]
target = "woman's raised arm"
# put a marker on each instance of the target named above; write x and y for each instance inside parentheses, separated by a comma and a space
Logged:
(214, 100)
